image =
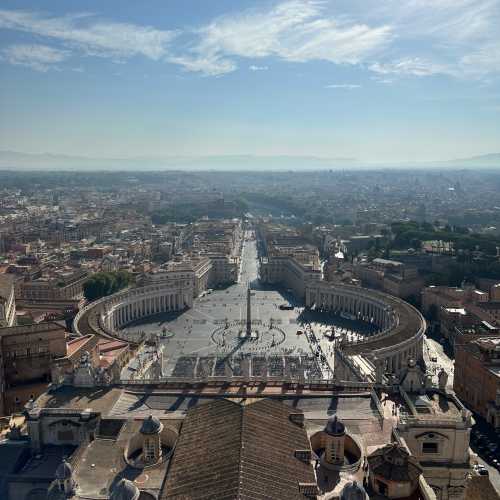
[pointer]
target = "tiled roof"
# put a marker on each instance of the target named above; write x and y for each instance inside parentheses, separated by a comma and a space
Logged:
(230, 451)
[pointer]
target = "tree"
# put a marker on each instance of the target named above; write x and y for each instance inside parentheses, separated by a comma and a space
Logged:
(103, 284)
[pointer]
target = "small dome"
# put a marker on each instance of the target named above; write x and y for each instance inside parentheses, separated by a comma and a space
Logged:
(64, 471)
(125, 490)
(353, 491)
(150, 425)
(335, 427)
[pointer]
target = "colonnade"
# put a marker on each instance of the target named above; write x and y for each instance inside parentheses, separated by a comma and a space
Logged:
(364, 308)
(115, 311)
(401, 326)
(392, 360)
(122, 313)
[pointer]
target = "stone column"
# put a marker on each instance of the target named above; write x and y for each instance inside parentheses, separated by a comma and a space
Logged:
(379, 370)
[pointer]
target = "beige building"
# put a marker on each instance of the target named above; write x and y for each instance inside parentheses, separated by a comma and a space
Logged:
(290, 273)
(435, 426)
(27, 356)
(224, 269)
(217, 236)
(194, 272)
(391, 276)
(477, 377)
(64, 286)
(451, 297)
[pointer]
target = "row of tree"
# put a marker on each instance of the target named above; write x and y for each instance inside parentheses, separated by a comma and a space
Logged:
(105, 283)
(412, 234)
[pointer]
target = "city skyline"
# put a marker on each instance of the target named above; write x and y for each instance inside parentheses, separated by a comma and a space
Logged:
(411, 81)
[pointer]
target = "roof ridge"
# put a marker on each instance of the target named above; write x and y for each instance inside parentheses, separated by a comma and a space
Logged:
(240, 456)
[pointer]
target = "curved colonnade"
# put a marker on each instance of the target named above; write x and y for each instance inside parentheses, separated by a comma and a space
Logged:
(399, 338)
(108, 315)
(401, 327)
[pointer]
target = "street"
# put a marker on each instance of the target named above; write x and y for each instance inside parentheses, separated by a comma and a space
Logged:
(433, 350)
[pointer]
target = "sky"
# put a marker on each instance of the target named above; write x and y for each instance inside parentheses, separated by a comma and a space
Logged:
(375, 80)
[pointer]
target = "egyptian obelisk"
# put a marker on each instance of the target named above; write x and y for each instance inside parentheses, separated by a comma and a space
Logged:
(249, 314)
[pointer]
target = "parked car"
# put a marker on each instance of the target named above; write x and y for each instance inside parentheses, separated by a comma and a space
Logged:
(481, 470)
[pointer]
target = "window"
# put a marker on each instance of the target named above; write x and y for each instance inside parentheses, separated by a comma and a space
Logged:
(429, 447)
(382, 487)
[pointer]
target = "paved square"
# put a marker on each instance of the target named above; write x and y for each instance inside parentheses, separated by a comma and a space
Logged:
(209, 339)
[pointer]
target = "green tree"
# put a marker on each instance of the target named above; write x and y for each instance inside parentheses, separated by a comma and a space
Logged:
(105, 283)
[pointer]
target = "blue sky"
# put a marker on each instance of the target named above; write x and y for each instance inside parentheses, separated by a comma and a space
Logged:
(395, 80)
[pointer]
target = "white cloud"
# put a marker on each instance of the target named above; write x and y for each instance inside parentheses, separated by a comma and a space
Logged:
(94, 37)
(453, 21)
(392, 39)
(37, 57)
(458, 38)
(207, 65)
(348, 86)
(482, 61)
(295, 30)
(411, 67)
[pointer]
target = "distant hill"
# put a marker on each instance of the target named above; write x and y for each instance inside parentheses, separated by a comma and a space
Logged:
(489, 160)
(45, 161)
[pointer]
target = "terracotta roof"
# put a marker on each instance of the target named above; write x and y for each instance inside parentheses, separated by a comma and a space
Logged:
(108, 358)
(105, 345)
(75, 344)
(230, 451)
